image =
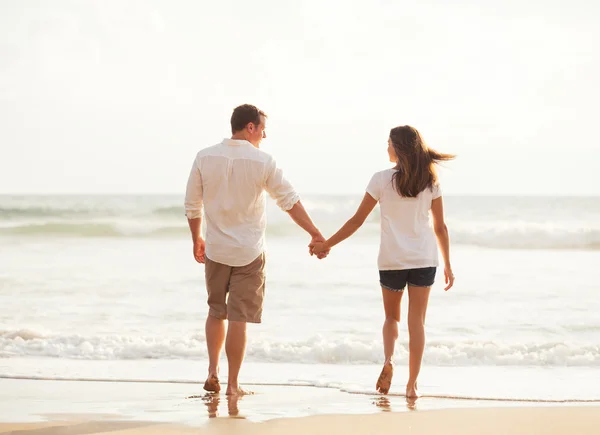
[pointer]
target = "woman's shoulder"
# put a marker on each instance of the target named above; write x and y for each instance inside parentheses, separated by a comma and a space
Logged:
(382, 180)
(384, 173)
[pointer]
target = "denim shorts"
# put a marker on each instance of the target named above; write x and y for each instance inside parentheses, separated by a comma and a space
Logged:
(396, 280)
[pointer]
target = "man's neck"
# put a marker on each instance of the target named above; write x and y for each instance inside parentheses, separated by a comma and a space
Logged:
(240, 136)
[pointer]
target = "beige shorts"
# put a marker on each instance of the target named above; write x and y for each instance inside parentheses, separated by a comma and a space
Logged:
(236, 293)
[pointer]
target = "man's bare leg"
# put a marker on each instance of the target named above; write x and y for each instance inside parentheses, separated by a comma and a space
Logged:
(235, 348)
(215, 337)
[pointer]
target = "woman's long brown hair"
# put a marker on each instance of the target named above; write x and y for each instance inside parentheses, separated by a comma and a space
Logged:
(415, 170)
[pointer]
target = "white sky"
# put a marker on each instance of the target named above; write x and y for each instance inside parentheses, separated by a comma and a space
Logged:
(118, 96)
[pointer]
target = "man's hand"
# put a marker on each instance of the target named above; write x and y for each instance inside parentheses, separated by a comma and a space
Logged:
(319, 248)
(199, 248)
(318, 240)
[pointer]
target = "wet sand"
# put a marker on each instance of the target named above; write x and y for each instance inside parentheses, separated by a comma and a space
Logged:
(73, 408)
(514, 421)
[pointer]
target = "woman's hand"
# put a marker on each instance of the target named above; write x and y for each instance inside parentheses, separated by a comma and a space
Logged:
(319, 248)
(448, 277)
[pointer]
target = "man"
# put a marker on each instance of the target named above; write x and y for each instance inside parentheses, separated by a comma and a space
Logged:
(228, 181)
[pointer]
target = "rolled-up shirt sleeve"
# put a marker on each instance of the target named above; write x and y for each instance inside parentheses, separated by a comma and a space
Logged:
(279, 188)
(194, 193)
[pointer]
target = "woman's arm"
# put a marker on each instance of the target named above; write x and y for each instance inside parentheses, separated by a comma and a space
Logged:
(443, 238)
(354, 223)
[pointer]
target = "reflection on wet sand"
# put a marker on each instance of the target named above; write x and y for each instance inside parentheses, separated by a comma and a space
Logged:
(384, 403)
(411, 403)
(213, 400)
(232, 406)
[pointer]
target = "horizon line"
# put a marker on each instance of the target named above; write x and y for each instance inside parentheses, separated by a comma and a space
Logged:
(182, 194)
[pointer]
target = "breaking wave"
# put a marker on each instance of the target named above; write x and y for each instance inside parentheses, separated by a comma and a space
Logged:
(316, 350)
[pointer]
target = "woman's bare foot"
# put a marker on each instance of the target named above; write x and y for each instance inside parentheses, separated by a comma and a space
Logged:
(233, 390)
(385, 378)
(412, 392)
(212, 384)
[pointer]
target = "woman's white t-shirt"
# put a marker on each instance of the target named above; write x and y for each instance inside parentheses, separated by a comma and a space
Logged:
(407, 237)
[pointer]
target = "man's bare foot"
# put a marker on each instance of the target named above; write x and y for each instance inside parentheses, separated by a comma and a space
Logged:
(212, 384)
(385, 378)
(412, 392)
(237, 391)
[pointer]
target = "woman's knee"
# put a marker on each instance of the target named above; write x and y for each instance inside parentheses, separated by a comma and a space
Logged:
(393, 318)
(416, 320)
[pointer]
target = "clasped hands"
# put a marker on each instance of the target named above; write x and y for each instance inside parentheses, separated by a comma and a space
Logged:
(318, 247)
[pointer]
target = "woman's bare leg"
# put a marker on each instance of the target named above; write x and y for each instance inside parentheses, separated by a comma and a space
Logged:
(418, 298)
(391, 305)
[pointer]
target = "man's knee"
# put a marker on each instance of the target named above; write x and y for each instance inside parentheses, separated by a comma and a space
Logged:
(217, 313)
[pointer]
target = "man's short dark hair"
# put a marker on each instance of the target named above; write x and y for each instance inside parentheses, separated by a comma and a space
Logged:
(244, 114)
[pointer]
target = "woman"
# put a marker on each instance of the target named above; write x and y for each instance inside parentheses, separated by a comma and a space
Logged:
(408, 252)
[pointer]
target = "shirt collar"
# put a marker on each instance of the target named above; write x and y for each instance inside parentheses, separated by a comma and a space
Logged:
(236, 142)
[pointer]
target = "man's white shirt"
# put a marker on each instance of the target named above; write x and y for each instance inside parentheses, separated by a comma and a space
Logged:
(227, 182)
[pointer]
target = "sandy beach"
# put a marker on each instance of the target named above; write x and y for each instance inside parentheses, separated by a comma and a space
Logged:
(63, 407)
(515, 421)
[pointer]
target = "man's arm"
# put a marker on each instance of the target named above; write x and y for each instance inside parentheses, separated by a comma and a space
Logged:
(199, 247)
(278, 188)
(299, 215)
(193, 211)
(195, 228)
(288, 200)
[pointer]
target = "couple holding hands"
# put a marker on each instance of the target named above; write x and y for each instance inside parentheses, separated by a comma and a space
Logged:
(226, 187)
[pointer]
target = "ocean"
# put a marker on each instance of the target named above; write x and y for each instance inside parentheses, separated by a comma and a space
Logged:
(106, 288)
